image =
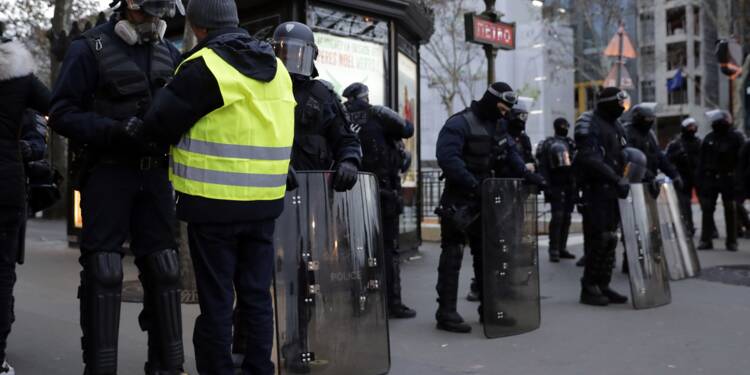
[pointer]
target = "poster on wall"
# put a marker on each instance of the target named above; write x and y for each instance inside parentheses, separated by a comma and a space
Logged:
(408, 107)
(343, 61)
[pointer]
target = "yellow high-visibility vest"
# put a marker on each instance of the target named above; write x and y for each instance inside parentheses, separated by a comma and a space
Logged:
(241, 151)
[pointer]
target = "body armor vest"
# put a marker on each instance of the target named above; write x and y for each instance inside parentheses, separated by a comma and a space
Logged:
(380, 155)
(124, 89)
(646, 143)
(611, 140)
(311, 150)
(721, 152)
(478, 146)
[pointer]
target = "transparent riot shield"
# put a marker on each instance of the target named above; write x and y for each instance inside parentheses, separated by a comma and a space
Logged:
(330, 281)
(649, 282)
(679, 250)
(510, 258)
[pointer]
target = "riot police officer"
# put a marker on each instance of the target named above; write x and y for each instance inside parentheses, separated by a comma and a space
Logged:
(19, 89)
(107, 80)
(684, 152)
(471, 147)
(718, 160)
(381, 133)
(517, 130)
(599, 165)
(323, 136)
(555, 155)
(639, 134)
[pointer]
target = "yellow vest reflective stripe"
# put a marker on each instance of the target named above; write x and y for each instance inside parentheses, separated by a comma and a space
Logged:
(240, 151)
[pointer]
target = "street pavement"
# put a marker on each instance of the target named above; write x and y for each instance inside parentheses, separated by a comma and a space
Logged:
(705, 330)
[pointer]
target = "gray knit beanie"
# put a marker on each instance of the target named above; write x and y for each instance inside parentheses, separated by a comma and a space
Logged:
(212, 14)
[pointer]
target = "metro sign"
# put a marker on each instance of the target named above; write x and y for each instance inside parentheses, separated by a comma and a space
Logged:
(483, 30)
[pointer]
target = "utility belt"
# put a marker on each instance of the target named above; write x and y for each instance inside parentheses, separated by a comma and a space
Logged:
(143, 163)
(718, 175)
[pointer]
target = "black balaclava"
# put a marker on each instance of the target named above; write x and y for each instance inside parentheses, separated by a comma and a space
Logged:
(487, 106)
(561, 126)
(643, 118)
(608, 106)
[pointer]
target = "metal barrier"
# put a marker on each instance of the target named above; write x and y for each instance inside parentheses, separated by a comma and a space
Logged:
(432, 189)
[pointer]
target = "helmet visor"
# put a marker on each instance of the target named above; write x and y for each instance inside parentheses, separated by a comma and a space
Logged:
(158, 8)
(298, 56)
(509, 97)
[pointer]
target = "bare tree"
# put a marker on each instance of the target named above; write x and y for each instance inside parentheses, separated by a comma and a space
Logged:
(452, 67)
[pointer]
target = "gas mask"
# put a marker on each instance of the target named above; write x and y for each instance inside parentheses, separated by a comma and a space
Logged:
(142, 33)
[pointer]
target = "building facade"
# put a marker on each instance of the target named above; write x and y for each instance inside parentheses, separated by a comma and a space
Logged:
(680, 36)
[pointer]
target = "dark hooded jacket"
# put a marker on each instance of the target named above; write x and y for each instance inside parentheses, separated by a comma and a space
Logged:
(192, 94)
(19, 90)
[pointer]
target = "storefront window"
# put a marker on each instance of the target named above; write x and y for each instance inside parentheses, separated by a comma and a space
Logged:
(408, 106)
(352, 48)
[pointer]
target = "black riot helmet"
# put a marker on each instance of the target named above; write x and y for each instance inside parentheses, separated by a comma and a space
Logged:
(558, 154)
(356, 91)
(636, 164)
(720, 120)
(517, 120)
(294, 44)
(689, 127)
(643, 116)
(155, 8)
(562, 127)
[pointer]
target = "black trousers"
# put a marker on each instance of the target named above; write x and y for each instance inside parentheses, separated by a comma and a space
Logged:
(685, 197)
(392, 260)
(12, 231)
(601, 219)
(120, 202)
(452, 242)
(709, 193)
(562, 201)
(228, 259)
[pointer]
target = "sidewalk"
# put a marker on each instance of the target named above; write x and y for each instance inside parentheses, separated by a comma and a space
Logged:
(706, 329)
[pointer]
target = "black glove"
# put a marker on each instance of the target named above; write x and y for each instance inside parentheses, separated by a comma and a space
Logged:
(291, 179)
(26, 151)
(127, 132)
(623, 188)
(677, 183)
(536, 179)
(345, 177)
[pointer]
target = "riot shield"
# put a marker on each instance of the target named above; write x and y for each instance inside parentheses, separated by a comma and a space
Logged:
(330, 282)
(649, 283)
(510, 258)
(679, 250)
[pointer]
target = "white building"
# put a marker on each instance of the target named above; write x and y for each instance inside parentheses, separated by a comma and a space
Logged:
(680, 35)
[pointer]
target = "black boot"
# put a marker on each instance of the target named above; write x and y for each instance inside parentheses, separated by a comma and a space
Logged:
(565, 254)
(451, 321)
(401, 311)
(705, 245)
(554, 256)
(592, 295)
(473, 295)
(612, 296)
(581, 262)
(732, 246)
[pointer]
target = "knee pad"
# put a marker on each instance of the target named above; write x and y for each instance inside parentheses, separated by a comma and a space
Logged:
(100, 294)
(104, 269)
(609, 240)
(163, 267)
(162, 273)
